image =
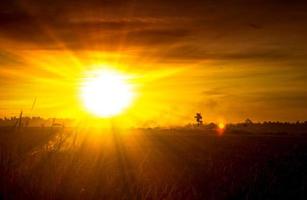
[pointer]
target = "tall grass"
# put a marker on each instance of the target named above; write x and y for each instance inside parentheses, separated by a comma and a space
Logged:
(45, 163)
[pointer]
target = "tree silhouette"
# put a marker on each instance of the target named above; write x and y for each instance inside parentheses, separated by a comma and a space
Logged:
(248, 121)
(199, 119)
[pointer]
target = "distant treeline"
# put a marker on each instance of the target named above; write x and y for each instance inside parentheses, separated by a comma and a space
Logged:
(280, 128)
(248, 127)
(35, 122)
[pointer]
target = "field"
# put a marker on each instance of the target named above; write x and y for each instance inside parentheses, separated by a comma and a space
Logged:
(46, 163)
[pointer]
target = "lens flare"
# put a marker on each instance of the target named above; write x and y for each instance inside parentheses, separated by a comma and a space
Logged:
(221, 125)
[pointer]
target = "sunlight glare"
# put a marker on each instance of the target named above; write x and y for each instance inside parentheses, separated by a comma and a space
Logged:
(221, 125)
(107, 93)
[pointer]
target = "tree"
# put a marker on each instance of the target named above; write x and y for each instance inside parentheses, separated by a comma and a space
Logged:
(248, 121)
(199, 119)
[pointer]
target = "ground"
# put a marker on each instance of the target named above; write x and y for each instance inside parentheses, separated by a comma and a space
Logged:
(56, 163)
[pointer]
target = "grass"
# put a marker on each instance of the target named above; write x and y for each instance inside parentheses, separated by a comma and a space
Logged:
(44, 163)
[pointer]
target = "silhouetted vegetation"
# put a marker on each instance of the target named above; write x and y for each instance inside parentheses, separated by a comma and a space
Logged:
(199, 119)
(178, 163)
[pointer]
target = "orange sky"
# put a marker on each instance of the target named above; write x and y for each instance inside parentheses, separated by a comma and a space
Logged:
(230, 60)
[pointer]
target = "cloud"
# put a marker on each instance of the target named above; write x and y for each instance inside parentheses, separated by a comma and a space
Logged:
(9, 58)
(203, 29)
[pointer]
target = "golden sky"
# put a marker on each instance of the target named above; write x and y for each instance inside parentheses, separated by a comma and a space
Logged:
(230, 60)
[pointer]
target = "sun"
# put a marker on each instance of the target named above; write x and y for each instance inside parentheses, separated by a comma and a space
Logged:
(106, 93)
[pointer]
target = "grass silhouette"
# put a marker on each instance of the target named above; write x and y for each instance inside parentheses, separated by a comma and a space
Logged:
(46, 163)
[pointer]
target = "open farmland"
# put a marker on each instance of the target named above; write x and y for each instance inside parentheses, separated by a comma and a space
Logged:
(45, 163)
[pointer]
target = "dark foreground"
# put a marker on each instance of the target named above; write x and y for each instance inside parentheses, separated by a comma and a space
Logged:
(50, 164)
